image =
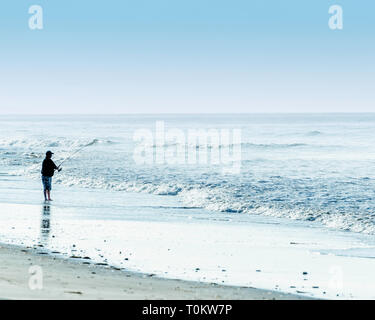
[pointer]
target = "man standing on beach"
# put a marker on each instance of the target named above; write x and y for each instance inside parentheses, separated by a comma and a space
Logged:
(48, 170)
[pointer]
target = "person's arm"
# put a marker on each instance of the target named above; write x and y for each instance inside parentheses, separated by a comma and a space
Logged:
(55, 167)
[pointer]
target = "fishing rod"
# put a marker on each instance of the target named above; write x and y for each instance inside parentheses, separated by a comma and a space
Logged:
(80, 149)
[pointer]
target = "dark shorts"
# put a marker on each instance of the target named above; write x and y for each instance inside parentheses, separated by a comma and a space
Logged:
(47, 183)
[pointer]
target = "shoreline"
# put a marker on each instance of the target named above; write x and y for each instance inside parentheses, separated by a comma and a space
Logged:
(65, 279)
(142, 234)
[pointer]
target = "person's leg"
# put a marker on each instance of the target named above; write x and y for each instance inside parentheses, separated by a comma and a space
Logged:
(44, 188)
(47, 188)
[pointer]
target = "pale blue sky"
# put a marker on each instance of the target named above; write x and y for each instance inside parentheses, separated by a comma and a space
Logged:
(120, 56)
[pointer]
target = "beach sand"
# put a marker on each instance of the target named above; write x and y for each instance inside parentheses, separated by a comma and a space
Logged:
(67, 279)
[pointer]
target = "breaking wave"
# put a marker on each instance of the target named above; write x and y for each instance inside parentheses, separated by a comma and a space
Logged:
(298, 199)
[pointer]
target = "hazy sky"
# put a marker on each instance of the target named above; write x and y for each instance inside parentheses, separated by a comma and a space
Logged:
(120, 56)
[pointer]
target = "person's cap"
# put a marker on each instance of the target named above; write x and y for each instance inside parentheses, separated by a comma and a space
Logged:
(49, 152)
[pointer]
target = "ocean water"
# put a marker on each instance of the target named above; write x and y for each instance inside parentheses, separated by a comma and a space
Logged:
(301, 201)
(312, 167)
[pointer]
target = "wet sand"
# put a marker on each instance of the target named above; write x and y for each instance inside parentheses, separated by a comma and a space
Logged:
(69, 279)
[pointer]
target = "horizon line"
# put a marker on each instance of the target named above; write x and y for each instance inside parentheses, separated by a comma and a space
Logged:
(182, 113)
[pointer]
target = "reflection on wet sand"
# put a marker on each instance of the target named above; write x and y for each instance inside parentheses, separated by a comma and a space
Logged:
(45, 226)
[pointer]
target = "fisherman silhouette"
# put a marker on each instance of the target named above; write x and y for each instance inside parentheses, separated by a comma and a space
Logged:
(48, 170)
